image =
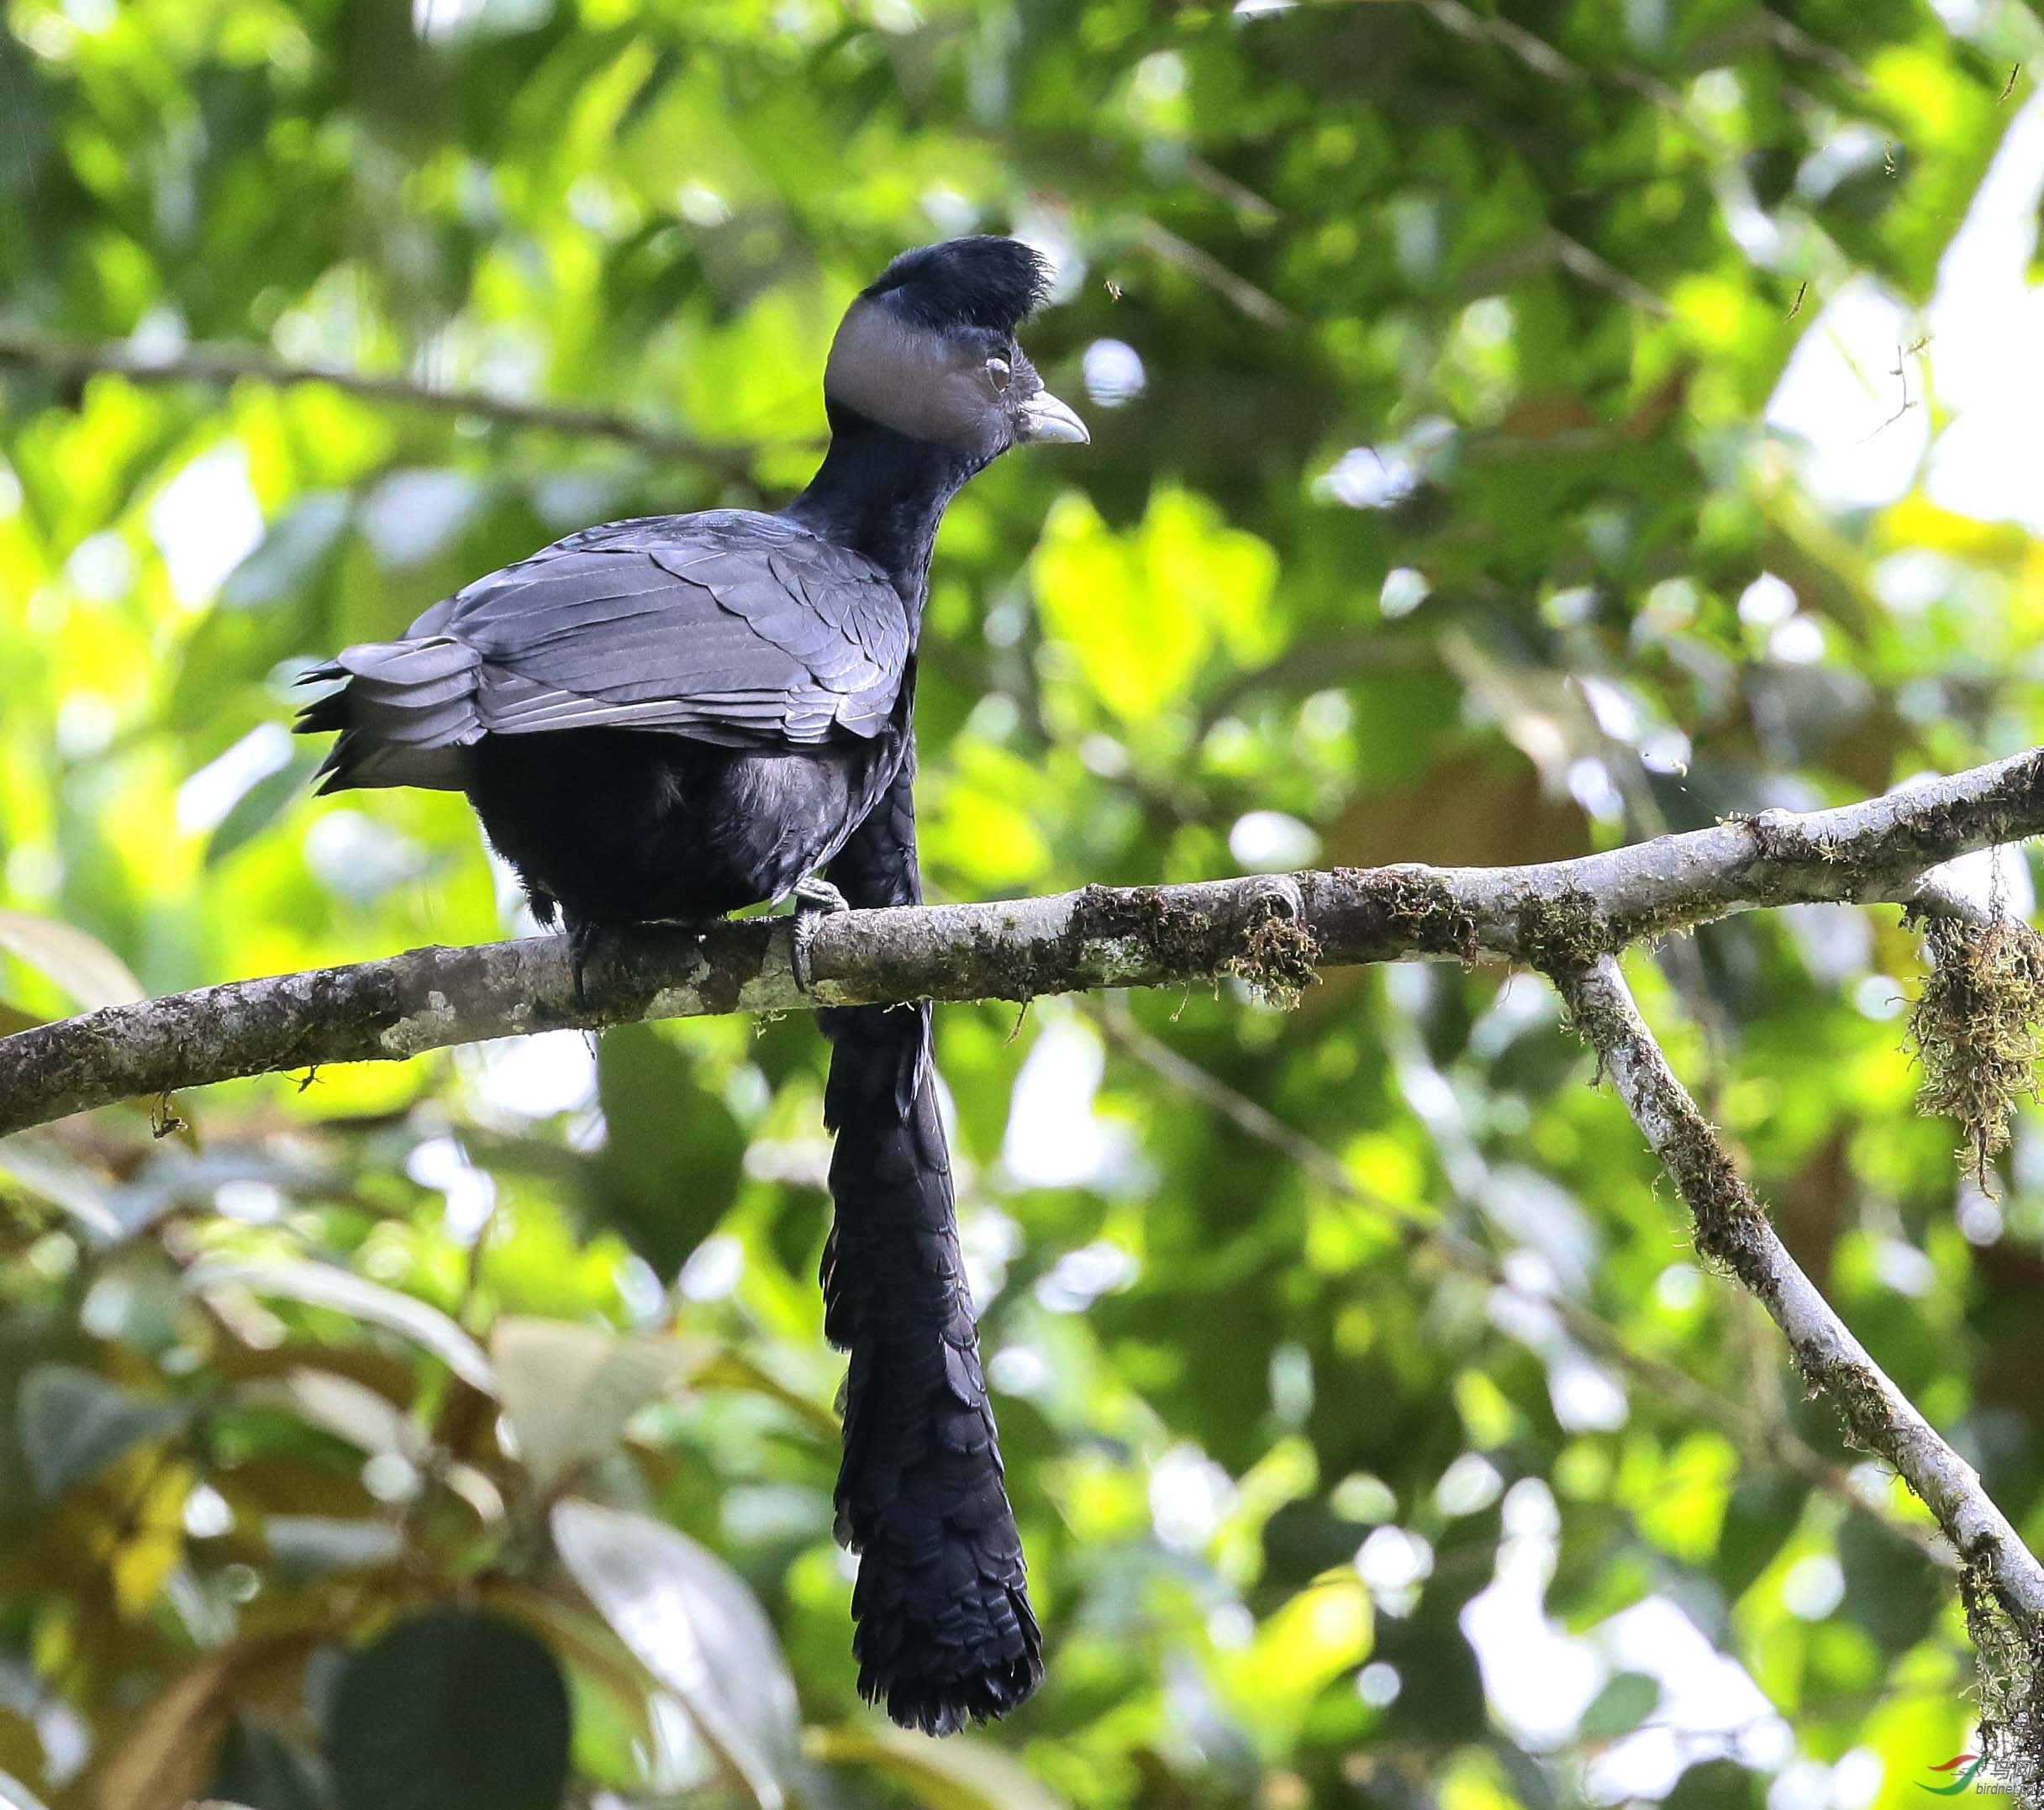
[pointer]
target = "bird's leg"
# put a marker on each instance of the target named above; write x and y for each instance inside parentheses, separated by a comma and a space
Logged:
(585, 939)
(815, 900)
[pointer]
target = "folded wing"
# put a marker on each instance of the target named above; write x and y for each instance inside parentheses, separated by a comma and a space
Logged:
(737, 629)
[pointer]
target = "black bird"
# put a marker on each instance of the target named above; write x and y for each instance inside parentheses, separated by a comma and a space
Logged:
(674, 717)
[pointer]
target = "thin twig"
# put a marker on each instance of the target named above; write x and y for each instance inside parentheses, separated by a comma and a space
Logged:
(1733, 1231)
(1238, 291)
(1579, 260)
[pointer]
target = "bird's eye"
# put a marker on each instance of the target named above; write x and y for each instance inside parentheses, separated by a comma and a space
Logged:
(997, 370)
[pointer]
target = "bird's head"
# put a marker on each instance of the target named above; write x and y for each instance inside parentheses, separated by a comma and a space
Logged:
(929, 349)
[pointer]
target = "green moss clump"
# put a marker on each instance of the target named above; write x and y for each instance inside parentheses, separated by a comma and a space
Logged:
(1975, 1028)
(1279, 959)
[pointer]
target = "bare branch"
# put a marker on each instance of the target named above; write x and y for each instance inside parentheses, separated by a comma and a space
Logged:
(1022, 949)
(1732, 1229)
(222, 365)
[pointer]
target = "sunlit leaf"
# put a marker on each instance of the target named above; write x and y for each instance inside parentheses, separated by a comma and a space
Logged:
(696, 1628)
(959, 1773)
(569, 1390)
(322, 1284)
(79, 964)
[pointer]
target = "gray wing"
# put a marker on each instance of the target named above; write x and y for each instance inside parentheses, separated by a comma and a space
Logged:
(727, 628)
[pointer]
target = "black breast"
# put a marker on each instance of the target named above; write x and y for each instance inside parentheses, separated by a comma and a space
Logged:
(623, 826)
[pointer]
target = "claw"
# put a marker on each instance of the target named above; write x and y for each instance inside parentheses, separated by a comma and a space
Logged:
(584, 940)
(815, 900)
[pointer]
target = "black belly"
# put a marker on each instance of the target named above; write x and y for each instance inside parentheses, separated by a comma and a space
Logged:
(621, 826)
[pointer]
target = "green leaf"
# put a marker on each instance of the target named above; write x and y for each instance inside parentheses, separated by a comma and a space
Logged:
(322, 1284)
(569, 1390)
(259, 1769)
(675, 1152)
(1140, 614)
(956, 1773)
(294, 547)
(699, 1631)
(1624, 1703)
(47, 1168)
(259, 806)
(82, 965)
(74, 1423)
(449, 1711)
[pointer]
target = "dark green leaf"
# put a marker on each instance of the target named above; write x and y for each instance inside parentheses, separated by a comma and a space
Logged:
(672, 1160)
(73, 1423)
(449, 1711)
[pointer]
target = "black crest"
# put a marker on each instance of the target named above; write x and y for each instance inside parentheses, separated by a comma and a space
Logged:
(980, 281)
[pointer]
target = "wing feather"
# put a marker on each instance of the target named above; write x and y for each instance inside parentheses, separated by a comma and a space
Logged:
(727, 627)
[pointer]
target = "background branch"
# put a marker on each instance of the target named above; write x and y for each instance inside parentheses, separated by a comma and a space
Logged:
(74, 361)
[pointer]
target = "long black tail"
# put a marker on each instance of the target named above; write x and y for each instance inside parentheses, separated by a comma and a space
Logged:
(945, 1632)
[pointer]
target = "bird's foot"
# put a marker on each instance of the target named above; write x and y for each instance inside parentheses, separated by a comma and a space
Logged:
(815, 900)
(586, 942)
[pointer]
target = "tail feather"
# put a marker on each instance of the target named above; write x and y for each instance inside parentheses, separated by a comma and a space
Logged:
(404, 711)
(944, 1631)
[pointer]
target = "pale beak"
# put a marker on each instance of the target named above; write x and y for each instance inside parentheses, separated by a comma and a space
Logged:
(1043, 420)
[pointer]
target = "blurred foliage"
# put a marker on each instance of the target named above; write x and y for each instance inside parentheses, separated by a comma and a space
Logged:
(416, 1434)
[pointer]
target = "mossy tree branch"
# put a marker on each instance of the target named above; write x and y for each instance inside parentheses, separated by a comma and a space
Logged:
(1732, 1230)
(1272, 933)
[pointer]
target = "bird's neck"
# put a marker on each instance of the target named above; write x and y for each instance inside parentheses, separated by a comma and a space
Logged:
(882, 494)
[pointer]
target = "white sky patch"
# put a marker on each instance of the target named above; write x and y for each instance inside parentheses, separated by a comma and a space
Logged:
(1709, 1708)
(411, 515)
(1048, 231)
(205, 522)
(1080, 1278)
(715, 1268)
(1987, 348)
(1189, 1494)
(1055, 1138)
(471, 1194)
(1113, 373)
(1767, 603)
(1840, 397)
(1273, 842)
(444, 18)
(533, 1077)
(1396, 1564)
(1988, 876)
(1538, 1678)
(1983, 359)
